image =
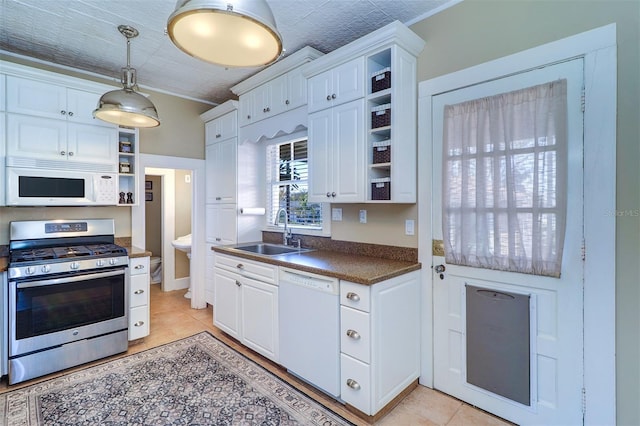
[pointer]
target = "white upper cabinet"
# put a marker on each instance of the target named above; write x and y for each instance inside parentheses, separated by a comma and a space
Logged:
(43, 99)
(3, 90)
(221, 171)
(336, 86)
(222, 128)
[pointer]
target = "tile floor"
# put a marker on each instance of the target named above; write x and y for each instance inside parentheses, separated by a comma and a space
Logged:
(172, 318)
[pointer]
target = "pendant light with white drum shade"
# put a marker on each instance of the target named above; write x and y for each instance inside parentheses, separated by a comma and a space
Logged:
(231, 33)
(126, 107)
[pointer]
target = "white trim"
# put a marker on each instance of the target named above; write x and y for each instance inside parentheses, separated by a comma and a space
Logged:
(198, 248)
(432, 12)
(598, 47)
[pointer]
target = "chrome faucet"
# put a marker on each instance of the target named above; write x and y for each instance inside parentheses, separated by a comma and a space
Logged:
(287, 232)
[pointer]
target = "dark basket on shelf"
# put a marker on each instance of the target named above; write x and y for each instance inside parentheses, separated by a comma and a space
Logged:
(382, 152)
(381, 189)
(381, 116)
(381, 81)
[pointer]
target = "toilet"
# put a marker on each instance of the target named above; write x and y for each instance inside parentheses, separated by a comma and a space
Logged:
(155, 266)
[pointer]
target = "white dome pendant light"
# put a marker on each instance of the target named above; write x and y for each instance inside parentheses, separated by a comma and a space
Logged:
(126, 107)
(231, 33)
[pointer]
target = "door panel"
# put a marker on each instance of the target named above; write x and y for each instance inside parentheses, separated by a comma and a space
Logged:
(555, 306)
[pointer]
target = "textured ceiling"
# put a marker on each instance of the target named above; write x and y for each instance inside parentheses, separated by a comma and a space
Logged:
(83, 34)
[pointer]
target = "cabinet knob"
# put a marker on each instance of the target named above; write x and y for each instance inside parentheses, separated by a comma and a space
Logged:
(139, 324)
(333, 96)
(248, 117)
(63, 153)
(333, 194)
(353, 296)
(139, 267)
(268, 109)
(238, 283)
(353, 384)
(218, 198)
(70, 154)
(286, 102)
(240, 266)
(353, 334)
(63, 112)
(142, 291)
(328, 97)
(218, 239)
(328, 195)
(70, 113)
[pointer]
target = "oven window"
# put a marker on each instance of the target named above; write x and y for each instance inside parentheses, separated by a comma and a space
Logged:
(51, 308)
(34, 186)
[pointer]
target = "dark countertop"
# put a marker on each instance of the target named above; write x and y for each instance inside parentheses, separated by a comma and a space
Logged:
(137, 252)
(350, 267)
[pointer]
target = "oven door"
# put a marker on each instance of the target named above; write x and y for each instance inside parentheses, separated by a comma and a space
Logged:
(53, 312)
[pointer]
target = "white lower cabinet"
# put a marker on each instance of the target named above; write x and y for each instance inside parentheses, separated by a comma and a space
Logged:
(209, 280)
(380, 340)
(246, 295)
(138, 297)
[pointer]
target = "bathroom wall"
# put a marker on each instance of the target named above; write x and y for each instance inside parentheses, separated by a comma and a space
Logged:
(183, 195)
(153, 214)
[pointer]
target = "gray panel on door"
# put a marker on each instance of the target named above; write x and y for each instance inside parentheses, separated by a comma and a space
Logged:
(498, 355)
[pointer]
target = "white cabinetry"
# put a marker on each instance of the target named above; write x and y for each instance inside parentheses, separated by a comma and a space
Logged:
(380, 340)
(336, 86)
(138, 297)
(221, 167)
(246, 293)
(51, 123)
(336, 154)
(128, 148)
(221, 223)
(384, 75)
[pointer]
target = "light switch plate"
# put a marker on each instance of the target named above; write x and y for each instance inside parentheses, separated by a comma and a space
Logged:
(336, 214)
(363, 216)
(409, 227)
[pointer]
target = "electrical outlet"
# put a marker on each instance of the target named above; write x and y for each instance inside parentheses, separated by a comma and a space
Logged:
(363, 216)
(409, 227)
(336, 214)
(187, 178)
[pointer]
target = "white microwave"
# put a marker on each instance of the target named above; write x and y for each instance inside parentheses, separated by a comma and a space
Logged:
(38, 187)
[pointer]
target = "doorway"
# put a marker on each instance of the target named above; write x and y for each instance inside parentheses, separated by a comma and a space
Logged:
(596, 360)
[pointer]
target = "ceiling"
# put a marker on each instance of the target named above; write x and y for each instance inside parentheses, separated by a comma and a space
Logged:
(83, 34)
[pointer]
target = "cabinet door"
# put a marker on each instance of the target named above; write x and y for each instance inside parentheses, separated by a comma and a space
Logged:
(221, 224)
(210, 164)
(319, 88)
(246, 109)
(296, 89)
(262, 101)
(279, 95)
(348, 153)
(80, 107)
(3, 91)
(93, 144)
(260, 317)
(138, 322)
(348, 81)
(226, 179)
(209, 280)
(228, 125)
(226, 314)
(36, 137)
(320, 152)
(31, 97)
(2, 160)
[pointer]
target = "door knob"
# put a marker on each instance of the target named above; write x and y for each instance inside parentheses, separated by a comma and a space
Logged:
(440, 270)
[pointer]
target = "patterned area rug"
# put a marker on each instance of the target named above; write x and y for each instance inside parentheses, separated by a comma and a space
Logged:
(197, 380)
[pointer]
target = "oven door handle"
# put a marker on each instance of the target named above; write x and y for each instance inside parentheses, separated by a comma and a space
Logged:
(72, 279)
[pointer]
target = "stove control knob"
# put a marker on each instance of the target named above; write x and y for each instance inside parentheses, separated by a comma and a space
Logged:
(100, 263)
(113, 261)
(30, 270)
(45, 268)
(74, 265)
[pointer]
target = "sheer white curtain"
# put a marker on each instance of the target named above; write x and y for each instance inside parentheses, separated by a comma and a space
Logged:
(505, 180)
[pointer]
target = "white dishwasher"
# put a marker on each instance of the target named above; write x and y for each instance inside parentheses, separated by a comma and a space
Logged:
(309, 307)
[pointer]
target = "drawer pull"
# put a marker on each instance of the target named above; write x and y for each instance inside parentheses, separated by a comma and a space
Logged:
(353, 384)
(139, 324)
(142, 291)
(238, 283)
(353, 296)
(240, 266)
(353, 334)
(138, 267)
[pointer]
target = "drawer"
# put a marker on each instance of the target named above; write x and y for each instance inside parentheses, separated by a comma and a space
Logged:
(355, 334)
(355, 383)
(139, 265)
(139, 291)
(355, 296)
(138, 322)
(248, 268)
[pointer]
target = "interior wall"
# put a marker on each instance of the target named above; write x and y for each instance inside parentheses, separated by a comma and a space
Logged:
(153, 214)
(183, 199)
(473, 32)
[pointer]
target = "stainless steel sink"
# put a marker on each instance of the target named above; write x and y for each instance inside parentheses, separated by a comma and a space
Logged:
(267, 249)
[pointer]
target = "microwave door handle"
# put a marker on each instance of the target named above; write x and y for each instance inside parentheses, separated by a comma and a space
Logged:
(66, 280)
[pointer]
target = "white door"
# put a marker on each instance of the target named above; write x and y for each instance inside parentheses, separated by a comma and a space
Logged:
(556, 304)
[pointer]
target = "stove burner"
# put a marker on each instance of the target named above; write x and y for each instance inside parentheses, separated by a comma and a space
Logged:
(43, 255)
(100, 249)
(72, 251)
(30, 255)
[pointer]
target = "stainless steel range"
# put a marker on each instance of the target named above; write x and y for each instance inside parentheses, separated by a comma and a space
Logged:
(68, 295)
